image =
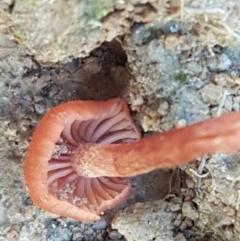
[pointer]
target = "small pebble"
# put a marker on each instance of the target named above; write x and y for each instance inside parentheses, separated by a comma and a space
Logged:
(219, 63)
(183, 226)
(180, 237)
(101, 235)
(194, 68)
(185, 191)
(102, 224)
(88, 237)
(177, 223)
(163, 108)
(190, 183)
(40, 108)
(235, 106)
(89, 231)
(115, 235)
(28, 201)
(172, 41)
(77, 236)
(187, 198)
(188, 222)
(189, 210)
(175, 207)
(211, 94)
(72, 66)
(181, 123)
(12, 235)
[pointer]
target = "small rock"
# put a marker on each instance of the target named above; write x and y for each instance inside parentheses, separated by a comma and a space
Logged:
(188, 222)
(12, 235)
(228, 104)
(180, 237)
(177, 223)
(115, 235)
(180, 123)
(175, 207)
(187, 198)
(222, 220)
(211, 94)
(140, 34)
(219, 63)
(235, 106)
(172, 41)
(190, 183)
(188, 192)
(88, 237)
(163, 108)
(145, 221)
(40, 107)
(72, 66)
(220, 79)
(138, 100)
(102, 224)
(89, 231)
(77, 236)
(56, 231)
(194, 68)
(189, 210)
(229, 211)
(183, 226)
(101, 235)
(236, 99)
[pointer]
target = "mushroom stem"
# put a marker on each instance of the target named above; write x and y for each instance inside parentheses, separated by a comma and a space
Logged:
(162, 150)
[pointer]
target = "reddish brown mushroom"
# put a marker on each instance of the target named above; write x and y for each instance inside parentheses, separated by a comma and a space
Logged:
(82, 152)
(50, 175)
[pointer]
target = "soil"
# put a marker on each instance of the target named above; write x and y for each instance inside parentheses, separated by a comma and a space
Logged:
(170, 77)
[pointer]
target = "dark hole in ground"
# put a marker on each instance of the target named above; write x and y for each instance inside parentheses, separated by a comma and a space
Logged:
(102, 74)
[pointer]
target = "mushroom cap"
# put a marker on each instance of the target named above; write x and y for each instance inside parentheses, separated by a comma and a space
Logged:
(49, 175)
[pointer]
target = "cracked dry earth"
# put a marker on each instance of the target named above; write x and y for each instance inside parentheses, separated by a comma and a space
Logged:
(168, 80)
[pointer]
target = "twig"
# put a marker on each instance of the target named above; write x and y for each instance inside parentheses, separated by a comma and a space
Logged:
(199, 175)
(224, 96)
(199, 171)
(181, 9)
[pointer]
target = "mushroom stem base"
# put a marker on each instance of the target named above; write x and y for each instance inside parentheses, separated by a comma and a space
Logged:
(91, 160)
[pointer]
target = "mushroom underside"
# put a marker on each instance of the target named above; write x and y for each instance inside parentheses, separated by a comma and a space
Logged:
(93, 195)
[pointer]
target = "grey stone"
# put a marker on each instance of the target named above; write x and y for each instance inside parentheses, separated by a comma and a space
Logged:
(102, 224)
(115, 235)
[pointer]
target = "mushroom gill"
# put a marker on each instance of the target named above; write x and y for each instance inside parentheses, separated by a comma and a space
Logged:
(108, 122)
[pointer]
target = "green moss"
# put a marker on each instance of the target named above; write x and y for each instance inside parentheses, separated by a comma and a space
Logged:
(97, 9)
(181, 77)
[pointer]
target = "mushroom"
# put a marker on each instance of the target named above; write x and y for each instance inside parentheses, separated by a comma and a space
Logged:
(82, 153)
(50, 176)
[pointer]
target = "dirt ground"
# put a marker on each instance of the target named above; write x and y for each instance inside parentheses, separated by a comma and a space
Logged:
(170, 76)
